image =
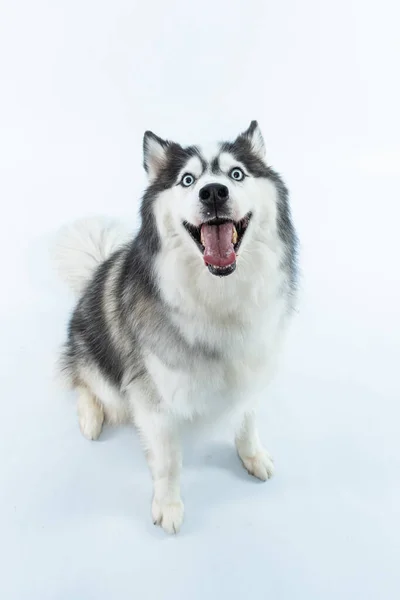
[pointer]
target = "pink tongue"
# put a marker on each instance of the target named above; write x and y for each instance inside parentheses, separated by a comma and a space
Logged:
(217, 241)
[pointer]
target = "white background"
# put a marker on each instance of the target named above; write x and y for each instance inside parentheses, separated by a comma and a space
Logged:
(80, 82)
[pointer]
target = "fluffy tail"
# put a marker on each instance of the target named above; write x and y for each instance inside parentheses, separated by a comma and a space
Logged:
(82, 246)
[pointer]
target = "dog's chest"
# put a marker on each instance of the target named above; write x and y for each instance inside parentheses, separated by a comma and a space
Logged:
(213, 386)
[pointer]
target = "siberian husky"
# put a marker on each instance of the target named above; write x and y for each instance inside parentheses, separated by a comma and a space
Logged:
(184, 321)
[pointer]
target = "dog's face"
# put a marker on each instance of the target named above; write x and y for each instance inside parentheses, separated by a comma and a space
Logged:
(213, 198)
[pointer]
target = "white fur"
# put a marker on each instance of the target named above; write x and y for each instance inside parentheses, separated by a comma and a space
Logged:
(90, 414)
(155, 150)
(254, 457)
(160, 436)
(242, 316)
(257, 142)
(82, 246)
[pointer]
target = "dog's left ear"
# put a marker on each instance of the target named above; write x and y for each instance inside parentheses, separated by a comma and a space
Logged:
(254, 136)
(154, 153)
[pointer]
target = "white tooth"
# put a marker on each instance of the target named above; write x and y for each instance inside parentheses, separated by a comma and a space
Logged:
(234, 235)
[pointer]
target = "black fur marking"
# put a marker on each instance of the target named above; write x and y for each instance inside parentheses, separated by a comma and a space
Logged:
(140, 317)
(251, 129)
(286, 230)
(88, 330)
(175, 159)
(215, 168)
(242, 150)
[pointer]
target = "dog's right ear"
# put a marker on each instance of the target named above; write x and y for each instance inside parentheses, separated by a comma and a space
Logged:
(154, 154)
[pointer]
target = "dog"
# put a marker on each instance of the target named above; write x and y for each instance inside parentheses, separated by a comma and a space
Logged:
(183, 323)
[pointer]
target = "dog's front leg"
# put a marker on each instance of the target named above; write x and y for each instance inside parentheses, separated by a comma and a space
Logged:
(254, 457)
(163, 451)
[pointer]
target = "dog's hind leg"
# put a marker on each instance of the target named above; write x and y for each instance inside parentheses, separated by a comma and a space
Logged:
(90, 413)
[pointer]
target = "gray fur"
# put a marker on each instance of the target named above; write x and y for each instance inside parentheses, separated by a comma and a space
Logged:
(121, 316)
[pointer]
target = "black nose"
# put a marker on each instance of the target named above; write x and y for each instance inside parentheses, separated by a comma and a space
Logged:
(214, 195)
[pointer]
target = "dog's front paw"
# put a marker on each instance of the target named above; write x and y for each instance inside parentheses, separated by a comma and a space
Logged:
(167, 514)
(260, 465)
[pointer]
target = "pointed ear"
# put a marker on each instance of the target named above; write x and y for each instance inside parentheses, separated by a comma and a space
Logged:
(254, 136)
(154, 153)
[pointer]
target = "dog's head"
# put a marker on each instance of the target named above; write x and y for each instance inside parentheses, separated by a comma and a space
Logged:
(214, 199)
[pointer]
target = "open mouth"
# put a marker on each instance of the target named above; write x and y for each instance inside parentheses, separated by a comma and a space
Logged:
(219, 241)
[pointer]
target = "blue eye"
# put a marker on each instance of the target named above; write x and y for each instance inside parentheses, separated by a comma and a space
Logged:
(187, 180)
(236, 174)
